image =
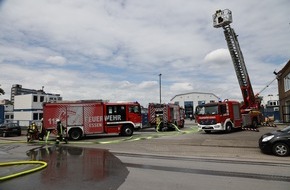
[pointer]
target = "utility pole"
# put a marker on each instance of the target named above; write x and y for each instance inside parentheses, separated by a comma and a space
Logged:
(160, 87)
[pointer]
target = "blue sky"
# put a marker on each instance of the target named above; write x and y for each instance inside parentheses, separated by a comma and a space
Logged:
(116, 49)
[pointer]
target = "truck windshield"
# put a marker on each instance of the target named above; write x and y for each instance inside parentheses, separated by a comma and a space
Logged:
(206, 110)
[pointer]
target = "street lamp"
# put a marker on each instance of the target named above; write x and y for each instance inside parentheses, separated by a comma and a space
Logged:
(160, 87)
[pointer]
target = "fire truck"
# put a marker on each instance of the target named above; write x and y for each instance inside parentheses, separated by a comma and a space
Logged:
(227, 115)
(168, 115)
(87, 117)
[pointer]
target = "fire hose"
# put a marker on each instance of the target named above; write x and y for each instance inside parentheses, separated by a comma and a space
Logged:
(42, 166)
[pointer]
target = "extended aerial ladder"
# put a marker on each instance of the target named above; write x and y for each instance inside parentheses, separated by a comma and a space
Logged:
(223, 18)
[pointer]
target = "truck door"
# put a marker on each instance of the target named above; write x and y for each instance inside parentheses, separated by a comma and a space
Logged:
(135, 114)
(237, 115)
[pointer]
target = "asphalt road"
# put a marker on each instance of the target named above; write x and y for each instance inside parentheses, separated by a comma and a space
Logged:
(149, 160)
(167, 172)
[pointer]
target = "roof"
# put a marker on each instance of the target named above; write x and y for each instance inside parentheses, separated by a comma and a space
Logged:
(284, 69)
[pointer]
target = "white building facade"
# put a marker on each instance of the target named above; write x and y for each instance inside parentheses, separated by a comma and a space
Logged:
(189, 101)
(29, 107)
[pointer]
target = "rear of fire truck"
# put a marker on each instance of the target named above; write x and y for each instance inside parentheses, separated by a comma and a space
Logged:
(165, 116)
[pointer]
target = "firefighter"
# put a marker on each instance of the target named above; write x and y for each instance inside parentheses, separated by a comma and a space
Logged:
(32, 132)
(61, 132)
(42, 131)
(159, 124)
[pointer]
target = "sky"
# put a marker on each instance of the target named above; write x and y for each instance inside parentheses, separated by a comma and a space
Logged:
(116, 49)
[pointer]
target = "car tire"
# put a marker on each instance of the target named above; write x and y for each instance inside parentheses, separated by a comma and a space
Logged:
(280, 149)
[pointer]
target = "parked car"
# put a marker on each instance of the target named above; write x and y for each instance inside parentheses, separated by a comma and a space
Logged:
(276, 142)
(8, 129)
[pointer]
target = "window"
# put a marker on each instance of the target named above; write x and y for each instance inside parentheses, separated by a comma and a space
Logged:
(110, 110)
(201, 102)
(208, 110)
(118, 113)
(35, 116)
(134, 109)
(287, 83)
(188, 108)
(273, 103)
(41, 98)
(35, 98)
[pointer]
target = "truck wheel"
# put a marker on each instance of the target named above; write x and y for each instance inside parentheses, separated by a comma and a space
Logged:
(229, 127)
(281, 149)
(75, 134)
(127, 130)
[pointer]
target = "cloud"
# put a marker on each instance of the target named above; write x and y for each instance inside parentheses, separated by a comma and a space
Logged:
(219, 56)
(116, 49)
(57, 60)
(182, 87)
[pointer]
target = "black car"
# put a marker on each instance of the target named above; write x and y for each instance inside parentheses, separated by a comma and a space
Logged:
(276, 142)
(8, 129)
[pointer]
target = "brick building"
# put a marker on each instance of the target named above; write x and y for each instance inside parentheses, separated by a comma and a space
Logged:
(283, 77)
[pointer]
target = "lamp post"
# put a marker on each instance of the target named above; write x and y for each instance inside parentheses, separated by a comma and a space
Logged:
(160, 87)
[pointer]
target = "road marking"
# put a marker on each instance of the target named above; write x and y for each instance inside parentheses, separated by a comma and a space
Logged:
(133, 138)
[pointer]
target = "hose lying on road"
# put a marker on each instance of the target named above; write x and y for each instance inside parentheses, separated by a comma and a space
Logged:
(43, 165)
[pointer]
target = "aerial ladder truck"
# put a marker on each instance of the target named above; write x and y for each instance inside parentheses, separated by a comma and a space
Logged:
(231, 114)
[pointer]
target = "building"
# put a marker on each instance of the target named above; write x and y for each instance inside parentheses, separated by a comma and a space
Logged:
(270, 106)
(29, 107)
(17, 89)
(2, 114)
(25, 105)
(190, 100)
(283, 77)
(8, 113)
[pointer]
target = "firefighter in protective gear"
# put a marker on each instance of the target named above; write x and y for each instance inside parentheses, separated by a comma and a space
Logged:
(42, 132)
(32, 132)
(159, 123)
(61, 132)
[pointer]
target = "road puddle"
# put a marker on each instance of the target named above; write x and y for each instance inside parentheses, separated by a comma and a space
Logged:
(72, 168)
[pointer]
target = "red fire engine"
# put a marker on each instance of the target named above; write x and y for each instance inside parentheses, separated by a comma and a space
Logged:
(231, 114)
(86, 117)
(168, 114)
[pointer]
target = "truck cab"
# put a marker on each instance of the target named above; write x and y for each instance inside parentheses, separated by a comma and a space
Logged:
(218, 116)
